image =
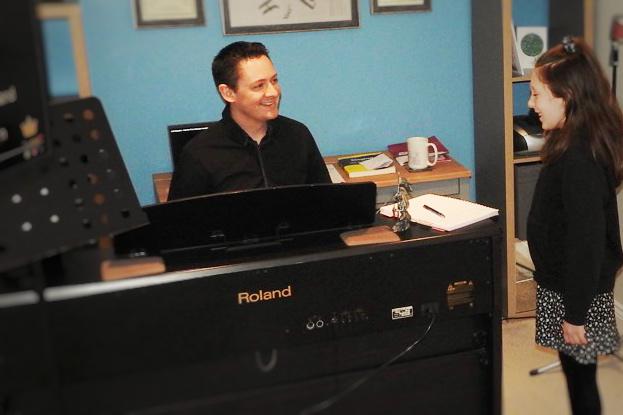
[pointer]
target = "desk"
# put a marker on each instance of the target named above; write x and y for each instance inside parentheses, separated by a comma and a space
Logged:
(270, 332)
(448, 178)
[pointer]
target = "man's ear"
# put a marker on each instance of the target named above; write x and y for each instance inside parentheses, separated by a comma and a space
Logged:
(228, 94)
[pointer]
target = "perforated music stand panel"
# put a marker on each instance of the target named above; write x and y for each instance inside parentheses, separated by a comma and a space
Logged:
(71, 196)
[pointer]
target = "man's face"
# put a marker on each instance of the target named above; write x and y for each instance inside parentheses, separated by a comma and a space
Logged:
(256, 97)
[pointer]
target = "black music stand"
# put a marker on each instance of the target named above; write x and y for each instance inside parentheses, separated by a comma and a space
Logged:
(553, 365)
(250, 218)
(70, 197)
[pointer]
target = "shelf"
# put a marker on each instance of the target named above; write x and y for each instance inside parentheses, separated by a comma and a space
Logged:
(526, 159)
(525, 78)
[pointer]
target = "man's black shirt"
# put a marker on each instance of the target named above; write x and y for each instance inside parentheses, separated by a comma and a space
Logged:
(224, 158)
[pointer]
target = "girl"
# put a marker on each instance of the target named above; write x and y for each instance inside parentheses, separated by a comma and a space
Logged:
(573, 224)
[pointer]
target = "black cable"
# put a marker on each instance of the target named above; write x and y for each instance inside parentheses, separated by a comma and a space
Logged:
(327, 403)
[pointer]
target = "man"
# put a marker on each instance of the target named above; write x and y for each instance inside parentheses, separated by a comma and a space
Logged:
(252, 146)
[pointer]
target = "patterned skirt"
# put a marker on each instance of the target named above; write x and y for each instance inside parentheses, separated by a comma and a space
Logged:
(601, 329)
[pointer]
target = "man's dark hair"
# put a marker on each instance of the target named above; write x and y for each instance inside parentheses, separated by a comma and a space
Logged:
(225, 64)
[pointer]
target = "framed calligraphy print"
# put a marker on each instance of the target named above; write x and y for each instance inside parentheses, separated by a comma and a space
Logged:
(268, 16)
(168, 13)
(396, 6)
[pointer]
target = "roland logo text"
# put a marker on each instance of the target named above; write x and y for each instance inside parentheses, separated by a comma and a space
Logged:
(261, 295)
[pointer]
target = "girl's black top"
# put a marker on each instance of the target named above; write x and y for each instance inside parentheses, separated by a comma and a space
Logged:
(573, 230)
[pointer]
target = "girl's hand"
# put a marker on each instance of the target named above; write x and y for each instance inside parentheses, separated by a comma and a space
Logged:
(573, 334)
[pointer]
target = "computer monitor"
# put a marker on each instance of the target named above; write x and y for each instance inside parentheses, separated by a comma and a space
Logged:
(181, 134)
(23, 86)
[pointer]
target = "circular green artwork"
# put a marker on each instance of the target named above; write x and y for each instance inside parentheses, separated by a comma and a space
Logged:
(532, 44)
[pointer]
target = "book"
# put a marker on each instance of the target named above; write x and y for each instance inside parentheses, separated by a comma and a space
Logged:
(356, 165)
(400, 149)
(444, 212)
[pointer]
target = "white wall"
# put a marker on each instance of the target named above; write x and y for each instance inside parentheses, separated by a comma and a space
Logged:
(605, 9)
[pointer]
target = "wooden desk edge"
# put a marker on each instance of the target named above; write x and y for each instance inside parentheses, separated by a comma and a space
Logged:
(446, 170)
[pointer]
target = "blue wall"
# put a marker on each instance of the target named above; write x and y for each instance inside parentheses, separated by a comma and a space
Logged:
(62, 79)
(395, 76)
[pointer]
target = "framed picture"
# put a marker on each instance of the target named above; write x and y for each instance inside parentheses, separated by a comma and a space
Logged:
(268, 16)
(531, 44)
(168, 13)
(396, 6)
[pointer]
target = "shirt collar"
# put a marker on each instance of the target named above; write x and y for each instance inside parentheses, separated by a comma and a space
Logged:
(236, 133)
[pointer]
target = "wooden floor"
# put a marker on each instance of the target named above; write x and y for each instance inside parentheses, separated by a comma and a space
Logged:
(546, 394)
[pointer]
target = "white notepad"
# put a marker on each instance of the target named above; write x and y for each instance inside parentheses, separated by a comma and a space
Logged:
(522, 254)
(443, 212)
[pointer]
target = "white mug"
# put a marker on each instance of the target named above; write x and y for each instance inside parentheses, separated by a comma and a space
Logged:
(418, 148)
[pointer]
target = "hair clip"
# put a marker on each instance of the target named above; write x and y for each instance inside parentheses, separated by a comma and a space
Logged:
(568, 44)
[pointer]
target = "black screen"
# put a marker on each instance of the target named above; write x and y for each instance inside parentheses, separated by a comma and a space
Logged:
(23, 89)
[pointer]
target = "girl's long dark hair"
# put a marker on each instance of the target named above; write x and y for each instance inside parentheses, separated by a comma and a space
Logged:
(572, 73)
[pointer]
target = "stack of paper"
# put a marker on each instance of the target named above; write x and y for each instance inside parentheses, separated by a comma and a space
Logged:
(335, 176)
(443, 212)
(522, 255)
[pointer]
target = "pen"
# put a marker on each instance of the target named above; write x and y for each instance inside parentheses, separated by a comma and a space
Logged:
(435, 211)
